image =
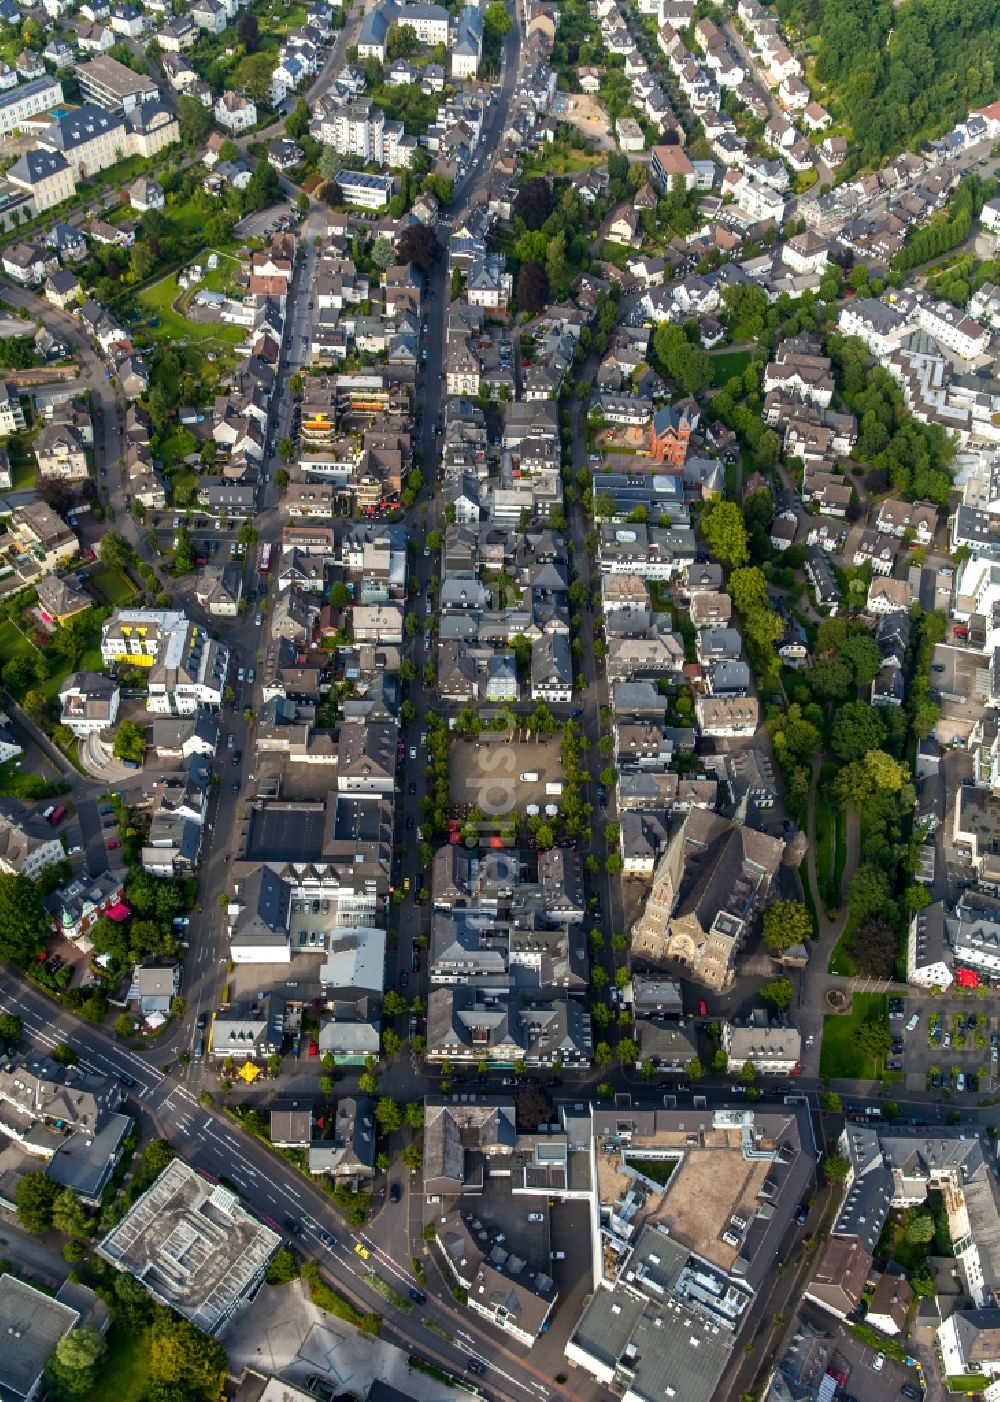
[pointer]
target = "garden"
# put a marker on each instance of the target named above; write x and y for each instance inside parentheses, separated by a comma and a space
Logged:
(855, 1043)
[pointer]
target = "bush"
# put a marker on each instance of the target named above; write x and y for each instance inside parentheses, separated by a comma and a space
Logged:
(326, 1298)
(282, 1268)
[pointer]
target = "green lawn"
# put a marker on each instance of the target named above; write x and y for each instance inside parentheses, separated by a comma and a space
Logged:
(184, 483)
(126, 1369)
(841, 859)
(810, 907)
(176, 446)
(840, 960)
(13, 643)
(157, 298)
(113, 587)
(559, 158)
(91, 661)
(724, 367)
(842, 1057)
(826, 845)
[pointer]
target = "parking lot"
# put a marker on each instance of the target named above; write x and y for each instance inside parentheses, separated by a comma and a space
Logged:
(957, 1036)
(958, 673)
(855, 1362)
(262, 221)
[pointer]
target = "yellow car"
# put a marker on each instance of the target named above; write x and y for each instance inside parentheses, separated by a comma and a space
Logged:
(362, 1250)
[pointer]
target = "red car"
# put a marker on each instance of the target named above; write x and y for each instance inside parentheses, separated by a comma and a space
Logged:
(702, 1008)
(113, 845)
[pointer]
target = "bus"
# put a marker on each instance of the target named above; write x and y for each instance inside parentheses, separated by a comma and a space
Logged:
(264, 563)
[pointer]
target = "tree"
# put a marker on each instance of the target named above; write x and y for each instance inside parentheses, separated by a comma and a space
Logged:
(392, 1042)
(857, 728)
(414, 1112)
(297, 121)
(602, 1054)
(786, 923)
(194, 120)
(835, 1168)
(748, 590)
(628, 1051)
(73, 1364)
(330, 163)
(252, 76)
(684, 362)
(874, 1037)
(532, 288)
(282, 1268)
(388, 1115)
(11, 1027)
(393, 1003)
(496, 19)
(327, 1085)
(68, 1215)
(142, 261)
(115, 552)
(920, 1228)
(533, 202)
(412, 1157)
(181, 1354)
(872, 947)
(831, 1102)
(130, 742)
(725, 534)
(24, 921)
(694, 1069)
(248, 34)
(418, 244)
(862, 651)
(779, 993)
(869, 892)
(34, 1197)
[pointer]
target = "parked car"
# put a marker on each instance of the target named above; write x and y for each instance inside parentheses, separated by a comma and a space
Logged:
(394, 1193)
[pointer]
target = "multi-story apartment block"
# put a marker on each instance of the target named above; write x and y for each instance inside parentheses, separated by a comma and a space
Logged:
(20, 103)
(187, 668)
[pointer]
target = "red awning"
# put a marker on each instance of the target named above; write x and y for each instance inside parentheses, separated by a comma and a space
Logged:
(967, 978)
(119, 911)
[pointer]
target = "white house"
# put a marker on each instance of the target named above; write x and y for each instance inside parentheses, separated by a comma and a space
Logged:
(772, 1051)
(235, 112)
(926, 965)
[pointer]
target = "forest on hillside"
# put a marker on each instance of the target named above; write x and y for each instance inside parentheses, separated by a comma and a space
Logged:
(900, 74)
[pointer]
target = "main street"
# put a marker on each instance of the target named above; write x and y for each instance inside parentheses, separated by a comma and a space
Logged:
(215, 1145)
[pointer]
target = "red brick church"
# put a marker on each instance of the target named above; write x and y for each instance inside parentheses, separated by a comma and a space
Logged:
(669, 434)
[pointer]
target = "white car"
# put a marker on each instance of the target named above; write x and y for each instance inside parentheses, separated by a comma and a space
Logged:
(258, 620)
(413, 751)
(240, 675)
(878, 1362)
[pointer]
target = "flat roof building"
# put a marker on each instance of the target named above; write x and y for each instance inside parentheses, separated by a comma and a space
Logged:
(368, 191)
(194, 1247)
(113, 86)
(31, 1325)
(27, 100)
